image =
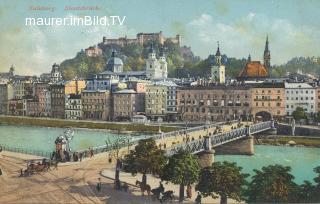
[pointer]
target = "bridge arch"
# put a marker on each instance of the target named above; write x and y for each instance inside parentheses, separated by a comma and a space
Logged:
(265, 115)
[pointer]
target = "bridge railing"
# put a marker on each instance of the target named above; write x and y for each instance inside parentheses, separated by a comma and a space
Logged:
(189, 130)
(259, 127)
(221, 138)
(191, 146)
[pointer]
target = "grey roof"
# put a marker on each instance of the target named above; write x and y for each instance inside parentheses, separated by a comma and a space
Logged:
(132, 73)
(107, 73)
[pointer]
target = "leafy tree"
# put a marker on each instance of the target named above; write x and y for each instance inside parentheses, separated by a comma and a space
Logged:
(317, 116)
(223, 179)
(83, 69)
(182, 169)
(145, 158)
(272, 183)
(299, 114)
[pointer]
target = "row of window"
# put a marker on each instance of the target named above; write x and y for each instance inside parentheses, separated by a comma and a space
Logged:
(201, 96)
(301, 91)
(267, 91)
(267, 104)
(291, 106)
(301, 98)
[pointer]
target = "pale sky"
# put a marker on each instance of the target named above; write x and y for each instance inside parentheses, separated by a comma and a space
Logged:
(240, 26)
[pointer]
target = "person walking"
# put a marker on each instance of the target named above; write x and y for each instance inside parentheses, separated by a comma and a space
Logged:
(198, 198)
(189, 191)
(99, 185)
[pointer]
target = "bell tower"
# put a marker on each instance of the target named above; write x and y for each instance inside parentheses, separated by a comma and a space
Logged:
(218, 69)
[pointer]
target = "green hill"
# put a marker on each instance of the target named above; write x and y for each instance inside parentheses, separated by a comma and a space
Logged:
(181, 62)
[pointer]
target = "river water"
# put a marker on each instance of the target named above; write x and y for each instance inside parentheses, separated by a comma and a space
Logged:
(302, 160)
(42, 138)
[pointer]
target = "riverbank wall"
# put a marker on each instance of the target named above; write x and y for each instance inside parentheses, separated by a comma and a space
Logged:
(284, 129)
(61, 123)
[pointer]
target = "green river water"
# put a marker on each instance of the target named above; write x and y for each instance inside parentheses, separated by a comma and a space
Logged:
(301, 159)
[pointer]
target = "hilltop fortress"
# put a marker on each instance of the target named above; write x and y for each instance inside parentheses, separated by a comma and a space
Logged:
(141, 39)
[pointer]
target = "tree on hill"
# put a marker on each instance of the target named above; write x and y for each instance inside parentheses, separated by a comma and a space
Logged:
(82, 66)
(224, 179)
(182, 169)
(272, 183)
(145, 158)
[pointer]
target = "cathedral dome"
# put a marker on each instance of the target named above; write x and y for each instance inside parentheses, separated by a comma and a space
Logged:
(253, 70)
(114, 64)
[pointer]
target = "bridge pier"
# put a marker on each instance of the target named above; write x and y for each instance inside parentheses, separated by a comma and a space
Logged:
(206, 157)
(273, 129)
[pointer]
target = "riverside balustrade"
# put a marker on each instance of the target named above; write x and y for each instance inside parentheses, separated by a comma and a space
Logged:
(26, 151)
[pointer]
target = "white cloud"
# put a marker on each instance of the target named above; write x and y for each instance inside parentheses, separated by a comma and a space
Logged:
(247, 35)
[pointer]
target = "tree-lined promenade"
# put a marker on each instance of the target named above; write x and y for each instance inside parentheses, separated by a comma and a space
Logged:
(224, 180)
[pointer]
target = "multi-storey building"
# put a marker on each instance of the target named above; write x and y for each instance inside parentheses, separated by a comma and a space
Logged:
(32, 107)
(38, 88)
(317, 99)
(214, 103)
(127, 103)
(95, 104)
(300, 95)
(268, 100)
(22, 88)
(156, 101)
(6, 94)
(47, 103)
(171, 107)
(58, 92)
(102, 81)
(138, 85)
(16, 107)
(73, 107)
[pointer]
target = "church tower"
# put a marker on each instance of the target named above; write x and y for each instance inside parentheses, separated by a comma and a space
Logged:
(11, 71)
(217, 69)
(163, 64)
(55, 73)
(266, 56)
(152, 65)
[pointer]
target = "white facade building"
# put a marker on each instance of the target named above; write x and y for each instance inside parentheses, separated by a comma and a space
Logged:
(73, 107)
(102, 81)
(300, 95)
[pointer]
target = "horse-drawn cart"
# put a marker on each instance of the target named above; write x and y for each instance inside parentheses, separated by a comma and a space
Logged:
(36, 166)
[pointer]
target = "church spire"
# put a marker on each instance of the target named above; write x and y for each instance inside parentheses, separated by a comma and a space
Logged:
(218, 56)
(218, 50)
(266, 55)
(249, 58)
